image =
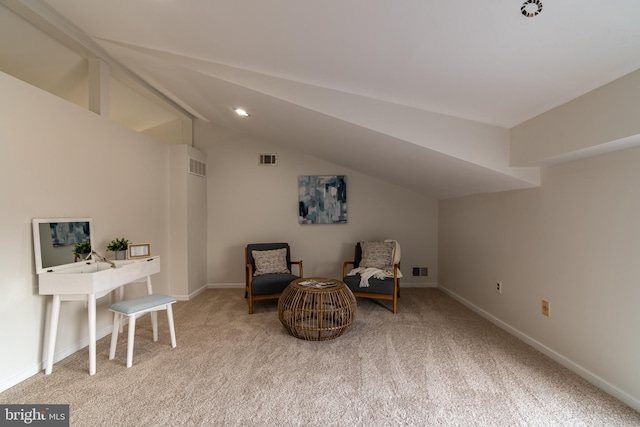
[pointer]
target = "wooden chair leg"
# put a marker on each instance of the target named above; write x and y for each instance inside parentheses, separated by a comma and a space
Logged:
(250, 304)
(396, 295)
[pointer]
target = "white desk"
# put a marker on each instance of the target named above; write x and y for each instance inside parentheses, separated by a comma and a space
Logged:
(88, 282)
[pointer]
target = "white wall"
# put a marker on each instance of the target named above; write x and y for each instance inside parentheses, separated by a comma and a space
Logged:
(603, 119)
(188, 223)
(60, 160)
(574, 242)
(249, 203)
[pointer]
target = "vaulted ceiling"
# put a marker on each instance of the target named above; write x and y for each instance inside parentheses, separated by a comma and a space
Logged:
(419, 93)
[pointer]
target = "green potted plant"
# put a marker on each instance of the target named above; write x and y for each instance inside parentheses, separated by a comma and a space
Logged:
(119, 246)
(81, 250)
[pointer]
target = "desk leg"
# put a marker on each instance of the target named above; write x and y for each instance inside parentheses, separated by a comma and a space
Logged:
(120, 297)
(154, 314)
(53, 330)
(92, 333)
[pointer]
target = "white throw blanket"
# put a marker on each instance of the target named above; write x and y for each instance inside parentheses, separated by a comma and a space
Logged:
(368, 272)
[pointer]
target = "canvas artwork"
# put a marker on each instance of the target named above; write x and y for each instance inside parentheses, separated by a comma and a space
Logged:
(322, 199)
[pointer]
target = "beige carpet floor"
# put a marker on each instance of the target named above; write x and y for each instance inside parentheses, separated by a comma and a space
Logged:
(434, 363)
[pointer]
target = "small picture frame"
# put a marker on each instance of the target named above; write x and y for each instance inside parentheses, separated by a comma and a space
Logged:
(139, 250)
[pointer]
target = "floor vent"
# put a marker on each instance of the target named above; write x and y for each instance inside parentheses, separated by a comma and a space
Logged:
(196, 167)
(268, 159)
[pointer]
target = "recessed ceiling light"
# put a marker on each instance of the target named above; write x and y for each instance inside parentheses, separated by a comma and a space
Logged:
(241, 112)
(531, 8)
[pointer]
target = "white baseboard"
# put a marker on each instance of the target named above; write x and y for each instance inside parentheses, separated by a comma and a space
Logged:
(417, 285)
(19, 377)
(241, 285)
(191, 295)
(66, 352)
(567, 363)
(225, 285)
(62, 354)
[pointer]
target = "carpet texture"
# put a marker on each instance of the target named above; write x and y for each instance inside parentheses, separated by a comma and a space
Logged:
(434, 363)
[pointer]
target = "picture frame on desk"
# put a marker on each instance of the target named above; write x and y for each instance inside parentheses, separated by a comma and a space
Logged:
(139, 250)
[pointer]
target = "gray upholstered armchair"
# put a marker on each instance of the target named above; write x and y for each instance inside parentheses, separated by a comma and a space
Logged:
(268, 271)
(375, 271)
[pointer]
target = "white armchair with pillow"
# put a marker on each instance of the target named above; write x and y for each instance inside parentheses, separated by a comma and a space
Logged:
(268, 271)
(376, 271)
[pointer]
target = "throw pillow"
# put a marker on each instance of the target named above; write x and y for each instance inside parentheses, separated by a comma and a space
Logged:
(270, 262)
(377, 255)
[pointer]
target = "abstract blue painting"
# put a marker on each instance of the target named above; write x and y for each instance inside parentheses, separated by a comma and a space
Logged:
(322, 199)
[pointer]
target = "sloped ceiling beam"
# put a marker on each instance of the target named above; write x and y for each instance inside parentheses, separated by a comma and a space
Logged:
(43, 17)
(483, 145)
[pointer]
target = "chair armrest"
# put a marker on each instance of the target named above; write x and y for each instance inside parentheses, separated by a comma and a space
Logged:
(299, 263)
(395, 271)
(344, 267)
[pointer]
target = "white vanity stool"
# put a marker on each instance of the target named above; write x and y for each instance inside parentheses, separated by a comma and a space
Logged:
(137, 306)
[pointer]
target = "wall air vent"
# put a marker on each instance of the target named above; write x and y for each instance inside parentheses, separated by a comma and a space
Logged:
(420, 271)
(268, 159)
(196, 167)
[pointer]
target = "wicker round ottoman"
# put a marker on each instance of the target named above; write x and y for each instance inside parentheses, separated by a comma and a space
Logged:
(313, 312)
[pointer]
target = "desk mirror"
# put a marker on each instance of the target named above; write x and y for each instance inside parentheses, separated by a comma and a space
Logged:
(55, 240)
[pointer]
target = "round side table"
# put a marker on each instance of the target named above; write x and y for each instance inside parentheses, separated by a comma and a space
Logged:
(317, 313)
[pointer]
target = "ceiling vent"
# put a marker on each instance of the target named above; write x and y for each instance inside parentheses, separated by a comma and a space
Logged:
(196, 167)
(531, 8)
(268, 159)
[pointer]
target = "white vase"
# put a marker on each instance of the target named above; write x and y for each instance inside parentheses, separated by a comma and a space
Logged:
(121, 255)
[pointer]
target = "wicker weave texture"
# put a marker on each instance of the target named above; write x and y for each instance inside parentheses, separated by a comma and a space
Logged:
(317, 314)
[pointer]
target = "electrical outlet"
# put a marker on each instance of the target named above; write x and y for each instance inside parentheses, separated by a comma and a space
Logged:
(416, 271)
(499, 287)
(546, 308)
